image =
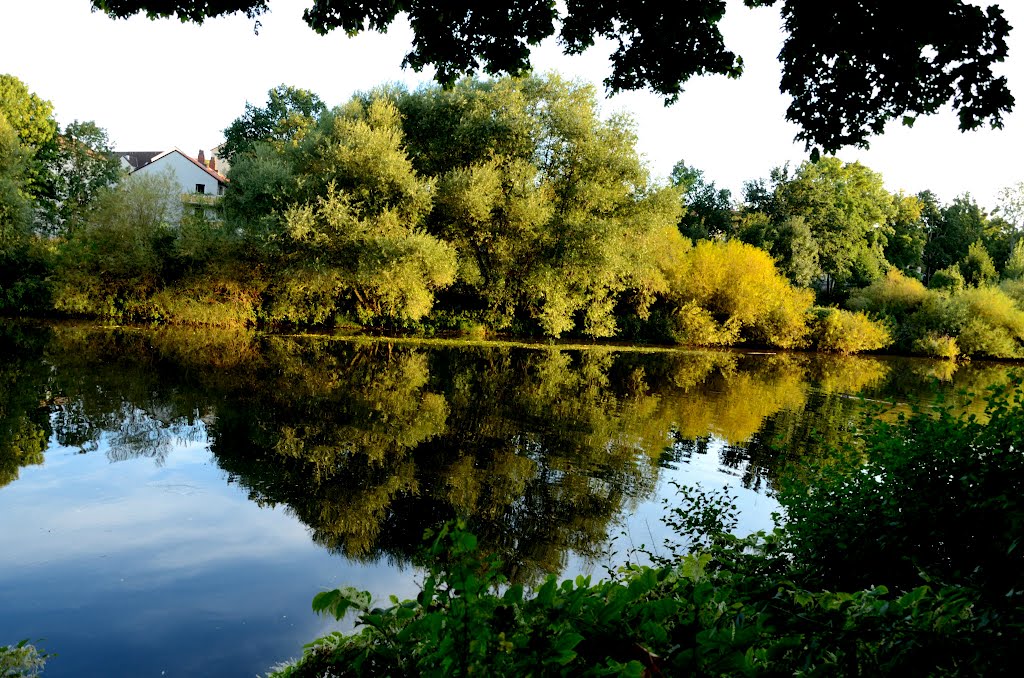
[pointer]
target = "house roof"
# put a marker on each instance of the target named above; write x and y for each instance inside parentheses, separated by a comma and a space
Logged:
(213, 173)
(138, 159)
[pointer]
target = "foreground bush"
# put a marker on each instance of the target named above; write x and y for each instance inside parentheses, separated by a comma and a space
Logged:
(932, 506)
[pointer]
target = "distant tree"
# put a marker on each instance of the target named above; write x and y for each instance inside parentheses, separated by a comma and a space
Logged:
(790, 243)
(951, 231)
(83, 164)
(904, 247)
(708, 210)
(1014, 269)
(1011, 204)
(850, 66)
(289, 115)
(848, 212)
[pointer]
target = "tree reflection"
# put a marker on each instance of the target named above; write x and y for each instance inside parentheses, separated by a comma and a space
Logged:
(370, 442)
(24, 426)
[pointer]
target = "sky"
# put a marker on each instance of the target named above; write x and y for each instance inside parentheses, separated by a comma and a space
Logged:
(154, 85)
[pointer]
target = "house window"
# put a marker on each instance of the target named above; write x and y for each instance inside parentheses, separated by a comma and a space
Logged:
(220, 189)
(200, 188)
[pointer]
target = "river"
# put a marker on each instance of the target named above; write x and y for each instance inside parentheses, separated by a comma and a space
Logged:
(173, 498)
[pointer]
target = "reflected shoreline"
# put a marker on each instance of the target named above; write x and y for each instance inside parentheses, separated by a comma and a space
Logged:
(371, 440)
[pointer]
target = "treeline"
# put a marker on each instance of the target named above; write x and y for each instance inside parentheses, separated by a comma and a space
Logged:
(509, 206)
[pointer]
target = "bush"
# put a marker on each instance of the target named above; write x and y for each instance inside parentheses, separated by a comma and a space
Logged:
(937, 346)
(935, 497)
(1014, 288)
(835, 330)
(894, 296)
(728, 291)
(995, 326)
(209, 301)
(949, 279)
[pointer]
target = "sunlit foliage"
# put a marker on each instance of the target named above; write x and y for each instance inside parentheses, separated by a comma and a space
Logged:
(723, 293)
(837, 330)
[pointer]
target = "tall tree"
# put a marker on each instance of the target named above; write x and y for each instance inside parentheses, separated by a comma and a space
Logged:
(708, 210)
(904, 248)
(289, 115)
(850, 66)
(15, 205)
(84, 163)
(951, 232)
(31, 118)
(847, 210)
(1011, 204)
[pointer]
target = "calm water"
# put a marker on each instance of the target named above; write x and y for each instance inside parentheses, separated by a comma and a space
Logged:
(172, 499)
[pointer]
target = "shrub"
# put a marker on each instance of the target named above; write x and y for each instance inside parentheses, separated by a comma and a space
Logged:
(949, 279)
(937, 346)
(894, 296)
(839, 331)
(1014, 288)
(995, 326)
(935, 495)
(209, 301)
(729, 291)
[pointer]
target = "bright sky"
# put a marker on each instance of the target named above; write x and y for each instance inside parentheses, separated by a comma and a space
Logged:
(154, 85)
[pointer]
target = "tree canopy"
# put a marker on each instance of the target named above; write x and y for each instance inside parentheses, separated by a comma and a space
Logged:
(851, 66)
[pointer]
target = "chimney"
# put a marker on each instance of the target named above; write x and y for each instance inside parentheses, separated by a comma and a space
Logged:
(202, 157)
(213, 163)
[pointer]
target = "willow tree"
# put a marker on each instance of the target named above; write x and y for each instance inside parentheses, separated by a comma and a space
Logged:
(357, 245)
(550, 207)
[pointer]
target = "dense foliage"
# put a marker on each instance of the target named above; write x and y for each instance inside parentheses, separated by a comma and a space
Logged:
(509, 206)
(921, 524)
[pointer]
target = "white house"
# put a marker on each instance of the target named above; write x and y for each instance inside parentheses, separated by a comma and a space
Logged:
(201, 184)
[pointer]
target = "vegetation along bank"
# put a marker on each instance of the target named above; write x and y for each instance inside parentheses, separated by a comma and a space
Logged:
(503, 206)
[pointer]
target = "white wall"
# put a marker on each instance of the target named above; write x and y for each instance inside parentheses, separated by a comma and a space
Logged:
(187, 173)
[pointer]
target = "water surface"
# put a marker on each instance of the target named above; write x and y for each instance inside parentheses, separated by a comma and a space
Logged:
(172, 499)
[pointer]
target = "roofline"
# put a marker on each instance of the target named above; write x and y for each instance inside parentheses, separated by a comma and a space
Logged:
(216, 175)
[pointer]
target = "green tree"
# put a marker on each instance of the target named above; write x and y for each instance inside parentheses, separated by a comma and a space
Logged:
(951, 231)
(977, 267)
(913, 63)
(84, 163)
(289, 115)
(1014, 269)
(848, 212)
(551, 209)
(1011, 204)
(31, 118)
(15, 205)
(359, 245)
(904, 248)
(790, 243)
(115, 260)
(708, 210)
